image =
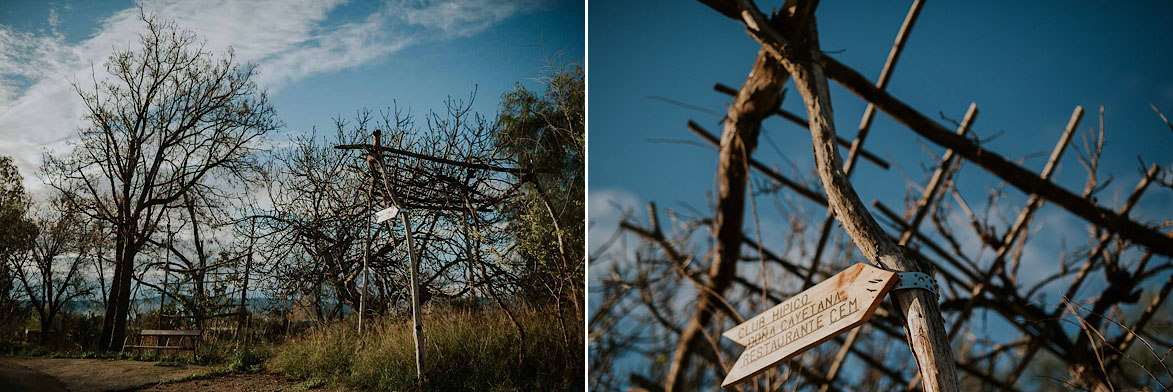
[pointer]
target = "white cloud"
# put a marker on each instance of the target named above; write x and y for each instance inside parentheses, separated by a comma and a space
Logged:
(288, 40)
(462, 18)
(605, 208)
(54, 19)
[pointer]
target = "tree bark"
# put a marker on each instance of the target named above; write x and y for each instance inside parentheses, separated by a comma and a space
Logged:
(122, 308)
(757, 99)
(112, 297)
(1021, 178)
(924, 326)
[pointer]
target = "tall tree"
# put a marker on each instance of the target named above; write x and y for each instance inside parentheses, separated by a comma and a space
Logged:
(172, 119)
(546, 134)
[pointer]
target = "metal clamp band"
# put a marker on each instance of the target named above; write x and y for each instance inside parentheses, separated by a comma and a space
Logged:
(916, 280)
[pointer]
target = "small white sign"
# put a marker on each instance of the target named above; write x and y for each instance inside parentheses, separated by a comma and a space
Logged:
(833, 306)
(386, 214)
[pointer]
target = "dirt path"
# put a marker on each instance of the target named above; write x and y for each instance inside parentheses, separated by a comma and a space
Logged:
(240, 382)
(18, 378)
(93, 375)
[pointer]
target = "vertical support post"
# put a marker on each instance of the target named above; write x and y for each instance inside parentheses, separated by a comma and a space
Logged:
(924, 326)
(242, 328)
(413, 256)
(865, 126)
(417, 323)
(166, 267)
(366, 253)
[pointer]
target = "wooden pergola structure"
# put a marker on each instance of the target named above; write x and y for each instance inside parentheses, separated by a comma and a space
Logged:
(790, 51)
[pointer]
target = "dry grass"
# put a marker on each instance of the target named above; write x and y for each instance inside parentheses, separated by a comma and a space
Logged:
(464, 350)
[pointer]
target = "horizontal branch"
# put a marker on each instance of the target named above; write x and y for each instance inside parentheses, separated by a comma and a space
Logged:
(1008, 171)
(794, 118)
(469, 165)
(762, 168)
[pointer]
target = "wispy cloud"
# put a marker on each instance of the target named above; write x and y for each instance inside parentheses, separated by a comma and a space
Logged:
(288, 40)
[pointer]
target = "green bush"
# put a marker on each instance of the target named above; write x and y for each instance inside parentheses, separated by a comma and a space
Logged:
(463, 351)
(248, 360)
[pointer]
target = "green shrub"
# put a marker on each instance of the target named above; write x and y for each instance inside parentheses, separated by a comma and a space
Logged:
(248, 360)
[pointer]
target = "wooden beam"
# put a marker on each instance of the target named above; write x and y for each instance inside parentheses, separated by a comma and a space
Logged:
(762, 168)
(1010, 172)
(794, 118)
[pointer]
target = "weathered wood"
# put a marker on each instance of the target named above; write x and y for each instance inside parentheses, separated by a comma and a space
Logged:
(468, 165)
(1017, 176)
(869, 113)
(794, 118)
(924, 325)
(808, 319)
(760, 94)
(865, 124)
(170, 332)
(944, 171)
(762, 168)
(417, 330)
(165, 335)
(1044, 334)
(386, 214)
(1021, 223)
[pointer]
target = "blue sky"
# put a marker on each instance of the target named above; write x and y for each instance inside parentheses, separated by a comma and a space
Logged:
(317, 58)
(1026, 65)
(1026, 70)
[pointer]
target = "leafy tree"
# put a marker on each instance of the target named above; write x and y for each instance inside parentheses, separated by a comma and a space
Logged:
(16, 234)
(546, 133)
(16, 229)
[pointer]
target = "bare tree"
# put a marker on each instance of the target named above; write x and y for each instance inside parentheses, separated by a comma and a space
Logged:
(1094, 337)
(196, 247)
(50, 273)
(171, 120)
(323, 202)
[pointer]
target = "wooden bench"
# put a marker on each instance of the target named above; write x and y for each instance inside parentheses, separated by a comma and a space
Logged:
(163, 340)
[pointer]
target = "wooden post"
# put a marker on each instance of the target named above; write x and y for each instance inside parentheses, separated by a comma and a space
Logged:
(797, 49)
(242, 328)
(166, 267)
(366, 252)
(924, 325)
(416, 321)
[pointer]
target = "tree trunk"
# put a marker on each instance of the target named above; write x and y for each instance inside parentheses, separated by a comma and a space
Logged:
(46, 323)
(924, 326)
(757, 99)
(104, 338)
(122, 309)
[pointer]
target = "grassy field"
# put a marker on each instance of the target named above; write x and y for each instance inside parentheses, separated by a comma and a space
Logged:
(463, 351)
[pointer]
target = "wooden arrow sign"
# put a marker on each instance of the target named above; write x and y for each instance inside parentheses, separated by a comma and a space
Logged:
(808, 319)
(386, 214)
